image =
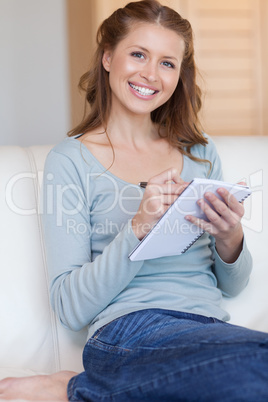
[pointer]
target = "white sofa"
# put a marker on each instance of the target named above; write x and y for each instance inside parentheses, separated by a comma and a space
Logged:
(31, 339)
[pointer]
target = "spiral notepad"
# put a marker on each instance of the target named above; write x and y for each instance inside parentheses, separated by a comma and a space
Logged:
(173, 235)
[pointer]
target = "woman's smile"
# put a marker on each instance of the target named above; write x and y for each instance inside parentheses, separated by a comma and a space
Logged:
(143, 91)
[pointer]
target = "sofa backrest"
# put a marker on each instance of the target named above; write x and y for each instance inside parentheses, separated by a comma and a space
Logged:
(30, 335)
(247, 158)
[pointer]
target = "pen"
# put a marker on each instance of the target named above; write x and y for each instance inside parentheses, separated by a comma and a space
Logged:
(143, 184)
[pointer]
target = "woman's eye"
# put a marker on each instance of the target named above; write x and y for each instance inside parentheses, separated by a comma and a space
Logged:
(168, 64)
(137, 54)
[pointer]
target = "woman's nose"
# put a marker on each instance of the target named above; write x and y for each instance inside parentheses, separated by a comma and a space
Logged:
(150, 72)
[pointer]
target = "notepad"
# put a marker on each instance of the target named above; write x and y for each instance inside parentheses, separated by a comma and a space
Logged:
(173, 234)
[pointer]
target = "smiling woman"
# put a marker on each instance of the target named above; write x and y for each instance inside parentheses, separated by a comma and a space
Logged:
(145, 62)
(156, 327)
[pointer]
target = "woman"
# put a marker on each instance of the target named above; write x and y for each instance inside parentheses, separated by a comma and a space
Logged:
(156, 327)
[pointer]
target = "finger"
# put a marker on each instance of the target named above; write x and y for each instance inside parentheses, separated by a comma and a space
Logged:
(202, 224)
(156, 203)
(171, 174)
(168, 199)
(221, 216)
(214, 227)
(231, 202)
(215, 217)
(168, 188)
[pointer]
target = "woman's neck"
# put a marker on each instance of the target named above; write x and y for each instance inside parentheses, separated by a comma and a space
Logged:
(132, 130)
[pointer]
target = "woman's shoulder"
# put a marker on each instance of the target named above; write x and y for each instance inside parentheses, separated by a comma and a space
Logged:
(72, 150)
(70, 155)
(207, 151)
(68, 147)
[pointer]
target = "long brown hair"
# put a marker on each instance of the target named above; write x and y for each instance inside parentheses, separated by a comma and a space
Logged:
(179, 115)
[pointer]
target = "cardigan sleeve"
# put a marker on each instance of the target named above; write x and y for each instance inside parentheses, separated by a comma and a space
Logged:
(231, 278)
(79, 287)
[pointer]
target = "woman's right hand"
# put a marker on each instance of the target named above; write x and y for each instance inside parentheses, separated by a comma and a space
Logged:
(161, 191)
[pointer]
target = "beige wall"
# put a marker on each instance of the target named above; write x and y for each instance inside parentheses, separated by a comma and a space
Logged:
(264, 65)
(231, 54)
(230, 41)
(81, 38)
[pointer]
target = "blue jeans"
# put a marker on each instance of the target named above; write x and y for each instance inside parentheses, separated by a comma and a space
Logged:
(163, 355)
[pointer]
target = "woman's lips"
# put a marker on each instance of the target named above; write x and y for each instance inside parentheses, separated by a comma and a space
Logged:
(143, 91)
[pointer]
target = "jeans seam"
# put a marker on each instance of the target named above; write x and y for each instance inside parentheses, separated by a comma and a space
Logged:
(184, 369)
(106, 346)
(70, 389)
(99, 331)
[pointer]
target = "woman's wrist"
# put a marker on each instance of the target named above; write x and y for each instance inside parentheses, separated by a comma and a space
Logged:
(140, 229)
(229, 249)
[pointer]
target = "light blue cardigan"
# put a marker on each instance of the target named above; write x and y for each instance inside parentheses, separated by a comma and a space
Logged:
(88, 235)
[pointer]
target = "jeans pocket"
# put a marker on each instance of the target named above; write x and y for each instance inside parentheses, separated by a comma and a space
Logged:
(100, 330)
(107, 347)
(104, 357)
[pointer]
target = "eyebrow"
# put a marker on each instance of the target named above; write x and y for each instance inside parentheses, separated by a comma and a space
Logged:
(148, 51)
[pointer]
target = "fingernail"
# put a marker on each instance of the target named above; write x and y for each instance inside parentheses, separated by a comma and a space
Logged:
(221, 190)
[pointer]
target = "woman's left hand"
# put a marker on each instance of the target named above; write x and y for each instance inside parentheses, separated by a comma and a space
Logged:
(224, 222)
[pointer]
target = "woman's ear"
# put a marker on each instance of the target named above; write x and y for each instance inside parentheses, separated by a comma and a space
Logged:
(106, 60)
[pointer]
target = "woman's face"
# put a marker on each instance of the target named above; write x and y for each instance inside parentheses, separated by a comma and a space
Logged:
(144, 68)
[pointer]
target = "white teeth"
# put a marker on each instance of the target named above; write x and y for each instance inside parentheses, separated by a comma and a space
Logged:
(142, 90)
